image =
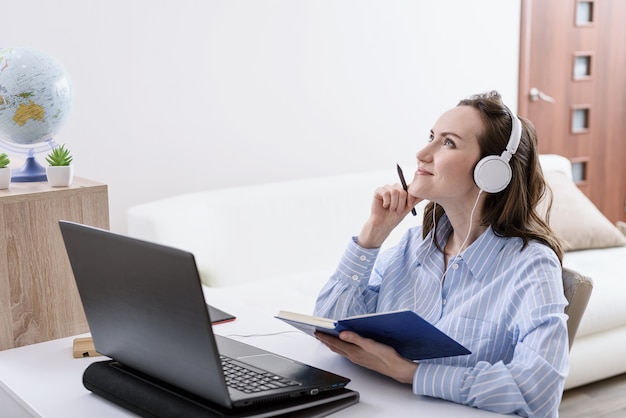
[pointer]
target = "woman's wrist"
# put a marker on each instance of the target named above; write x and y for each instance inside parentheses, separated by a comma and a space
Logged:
(407, 373)
(372, 237)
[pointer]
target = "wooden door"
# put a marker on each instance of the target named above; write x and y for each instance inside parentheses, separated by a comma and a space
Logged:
(572, 86)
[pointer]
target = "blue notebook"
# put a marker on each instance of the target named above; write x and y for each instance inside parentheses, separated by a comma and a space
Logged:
(408, 333)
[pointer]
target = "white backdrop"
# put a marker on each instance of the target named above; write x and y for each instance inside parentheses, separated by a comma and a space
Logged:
(184, 95)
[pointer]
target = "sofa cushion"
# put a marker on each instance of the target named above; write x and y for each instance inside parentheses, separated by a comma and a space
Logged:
(576, 220)
(621, 226)
(259, 232)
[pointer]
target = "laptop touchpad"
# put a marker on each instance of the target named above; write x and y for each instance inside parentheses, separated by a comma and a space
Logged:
(271, 362)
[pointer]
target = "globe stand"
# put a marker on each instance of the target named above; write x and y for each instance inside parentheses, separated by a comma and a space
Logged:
(30, 171)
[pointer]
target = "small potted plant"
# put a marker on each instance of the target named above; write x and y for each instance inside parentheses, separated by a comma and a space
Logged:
(5, 171)
(60, 171)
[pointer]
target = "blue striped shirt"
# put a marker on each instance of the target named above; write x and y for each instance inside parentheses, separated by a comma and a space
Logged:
(505, 304)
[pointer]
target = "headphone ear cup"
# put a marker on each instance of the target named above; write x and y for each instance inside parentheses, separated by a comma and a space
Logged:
(492, 174)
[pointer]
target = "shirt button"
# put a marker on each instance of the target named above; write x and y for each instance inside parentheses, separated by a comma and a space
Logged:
(443, 302)
(355, 277)
(362, 258)
(455, 266)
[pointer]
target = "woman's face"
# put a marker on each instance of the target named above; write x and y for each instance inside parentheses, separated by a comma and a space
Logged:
(445, 166)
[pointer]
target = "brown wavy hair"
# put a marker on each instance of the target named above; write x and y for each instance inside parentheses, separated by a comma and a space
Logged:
(513, 212)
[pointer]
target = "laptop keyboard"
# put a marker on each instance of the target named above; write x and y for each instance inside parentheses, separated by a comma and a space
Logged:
(247, 380)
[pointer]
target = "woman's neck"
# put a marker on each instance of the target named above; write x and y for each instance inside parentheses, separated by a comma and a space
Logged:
(466, 226)
(458, 242)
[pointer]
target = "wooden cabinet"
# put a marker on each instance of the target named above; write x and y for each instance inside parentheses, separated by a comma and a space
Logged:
(39, 300)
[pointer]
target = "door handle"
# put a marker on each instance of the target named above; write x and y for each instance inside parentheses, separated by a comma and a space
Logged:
(536, 94)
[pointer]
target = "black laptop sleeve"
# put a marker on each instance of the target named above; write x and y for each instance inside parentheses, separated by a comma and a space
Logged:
(150, 398)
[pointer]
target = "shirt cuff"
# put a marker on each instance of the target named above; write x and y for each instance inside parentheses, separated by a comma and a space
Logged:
(357, 262)
(439, 381)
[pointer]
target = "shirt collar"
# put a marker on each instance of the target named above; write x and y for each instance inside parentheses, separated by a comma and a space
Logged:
(478, 257)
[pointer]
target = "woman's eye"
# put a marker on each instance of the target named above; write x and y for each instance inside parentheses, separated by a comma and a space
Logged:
(448, 142)
(444, 141)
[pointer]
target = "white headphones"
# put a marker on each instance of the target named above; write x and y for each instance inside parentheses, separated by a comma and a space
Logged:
(493, 173)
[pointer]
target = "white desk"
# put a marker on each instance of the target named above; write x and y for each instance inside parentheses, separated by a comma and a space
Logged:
(44, 380)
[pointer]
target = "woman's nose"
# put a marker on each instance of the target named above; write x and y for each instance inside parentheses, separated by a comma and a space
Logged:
(424, 153)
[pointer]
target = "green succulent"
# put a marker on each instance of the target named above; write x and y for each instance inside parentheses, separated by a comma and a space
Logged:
(59, 156)
(4, 160)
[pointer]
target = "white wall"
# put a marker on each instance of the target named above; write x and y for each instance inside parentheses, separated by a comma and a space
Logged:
(178, 96)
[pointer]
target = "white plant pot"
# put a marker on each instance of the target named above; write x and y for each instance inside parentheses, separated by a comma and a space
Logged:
(60, 175)
(5, 177)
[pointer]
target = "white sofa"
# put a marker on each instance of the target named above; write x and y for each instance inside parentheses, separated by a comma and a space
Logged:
(272, 246)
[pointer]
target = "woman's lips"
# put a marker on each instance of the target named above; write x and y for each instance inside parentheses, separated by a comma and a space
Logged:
(423, 172)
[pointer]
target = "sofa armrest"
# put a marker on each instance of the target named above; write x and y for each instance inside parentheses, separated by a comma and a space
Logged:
(553, 162)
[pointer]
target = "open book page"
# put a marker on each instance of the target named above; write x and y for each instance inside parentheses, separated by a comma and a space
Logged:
(324, 322)
(307, 319)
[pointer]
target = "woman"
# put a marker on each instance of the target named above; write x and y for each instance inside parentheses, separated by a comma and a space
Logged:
(484, 268)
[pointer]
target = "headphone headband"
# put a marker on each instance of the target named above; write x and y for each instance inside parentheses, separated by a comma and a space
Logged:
(514, 138)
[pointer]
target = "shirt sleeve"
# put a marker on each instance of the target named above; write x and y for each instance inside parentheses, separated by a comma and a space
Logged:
(530, 384)
(348, 292)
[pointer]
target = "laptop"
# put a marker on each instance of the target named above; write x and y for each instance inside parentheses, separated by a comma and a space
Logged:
(146, 311)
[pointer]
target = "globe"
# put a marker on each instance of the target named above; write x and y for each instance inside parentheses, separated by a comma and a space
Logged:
(36, 96)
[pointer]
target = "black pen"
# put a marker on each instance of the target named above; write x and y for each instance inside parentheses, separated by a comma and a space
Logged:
(404, 186)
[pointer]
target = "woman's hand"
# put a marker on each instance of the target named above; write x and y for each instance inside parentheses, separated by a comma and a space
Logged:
(389, 206)
(370, 354)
